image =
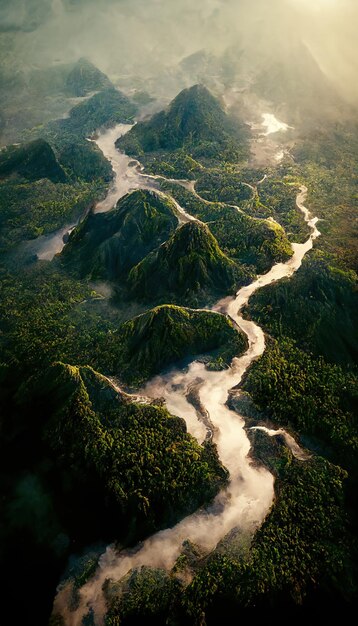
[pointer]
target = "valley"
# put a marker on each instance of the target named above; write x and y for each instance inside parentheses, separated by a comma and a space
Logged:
(178, 317)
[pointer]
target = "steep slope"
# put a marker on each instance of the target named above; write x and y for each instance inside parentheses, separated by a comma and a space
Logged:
(256, 244)
(84, 78)
(136, 461)
(188, 264)
(108, 245)
(194, 119)
(318, 308)
(161, 336)
(106, 108)
(82, 159)
(33, 161)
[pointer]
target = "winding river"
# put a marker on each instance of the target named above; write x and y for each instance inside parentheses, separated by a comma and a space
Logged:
(244, 503)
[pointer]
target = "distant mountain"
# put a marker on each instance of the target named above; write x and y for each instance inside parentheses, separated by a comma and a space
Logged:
(106, 108)
(33, 161)
(190, 262)
(85, 78)
(296, 82)
(194, 119)
(201, 67)
(108, 245)
(168, 333)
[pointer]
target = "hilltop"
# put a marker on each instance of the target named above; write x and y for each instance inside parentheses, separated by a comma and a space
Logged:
(161, 336)
(188, 264)
(108, 245)
(84, 78)
(108, 451)
(194, 120)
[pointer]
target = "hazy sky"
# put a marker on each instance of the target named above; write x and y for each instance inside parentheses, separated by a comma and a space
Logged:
(132, 35)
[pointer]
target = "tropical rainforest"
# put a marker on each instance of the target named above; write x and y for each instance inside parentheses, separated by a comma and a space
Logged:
(178, 312)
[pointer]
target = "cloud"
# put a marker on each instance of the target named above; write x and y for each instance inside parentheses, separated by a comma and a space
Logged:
(137, 36)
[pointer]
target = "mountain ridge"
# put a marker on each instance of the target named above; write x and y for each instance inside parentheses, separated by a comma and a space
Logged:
(108, 244)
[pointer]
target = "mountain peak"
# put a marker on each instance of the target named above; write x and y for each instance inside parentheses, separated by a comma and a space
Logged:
(168, 333)
(188, 263)
(108, 245)
(85, 78)
(194, 120)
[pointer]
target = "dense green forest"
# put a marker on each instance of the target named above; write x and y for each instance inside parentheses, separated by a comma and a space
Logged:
(282, 568)
(52, 180)
(108, 245)
(188, 265)
(83, 462)
(255, 243)
(195, 124)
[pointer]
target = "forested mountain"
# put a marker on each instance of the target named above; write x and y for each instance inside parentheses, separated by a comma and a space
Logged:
(178, 312)
(190, 262)
(108, 245)
(194, 120)
(85, 78)
(168, 333)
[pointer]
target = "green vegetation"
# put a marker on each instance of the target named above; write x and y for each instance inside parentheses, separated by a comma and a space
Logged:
(223, 185)
(32, 97)
(31, 161)
(29, 210)
(58, 153)
(139, 459)
(81, 462)
(108, 245)
(38, 306)
(194, 121)
(73, 449)
(277, 198)
(48, 316)
(299, 557)
(106, 108)
(326, 161)
(166, 334)
(178, 164)
(145, 594)
(318, 308)
(82, 159)
(294, 561)
(187, 266)
(255, 244)
(316, 398)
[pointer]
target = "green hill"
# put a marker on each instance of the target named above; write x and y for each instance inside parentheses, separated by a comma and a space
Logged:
(106, 108)
(108, 245)
(190, 262)
(84, 78)
(194, 120)
(146, 344)
(317, 307)
(255, 244)
(82, 159)
(33, 161)
(137, 461)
